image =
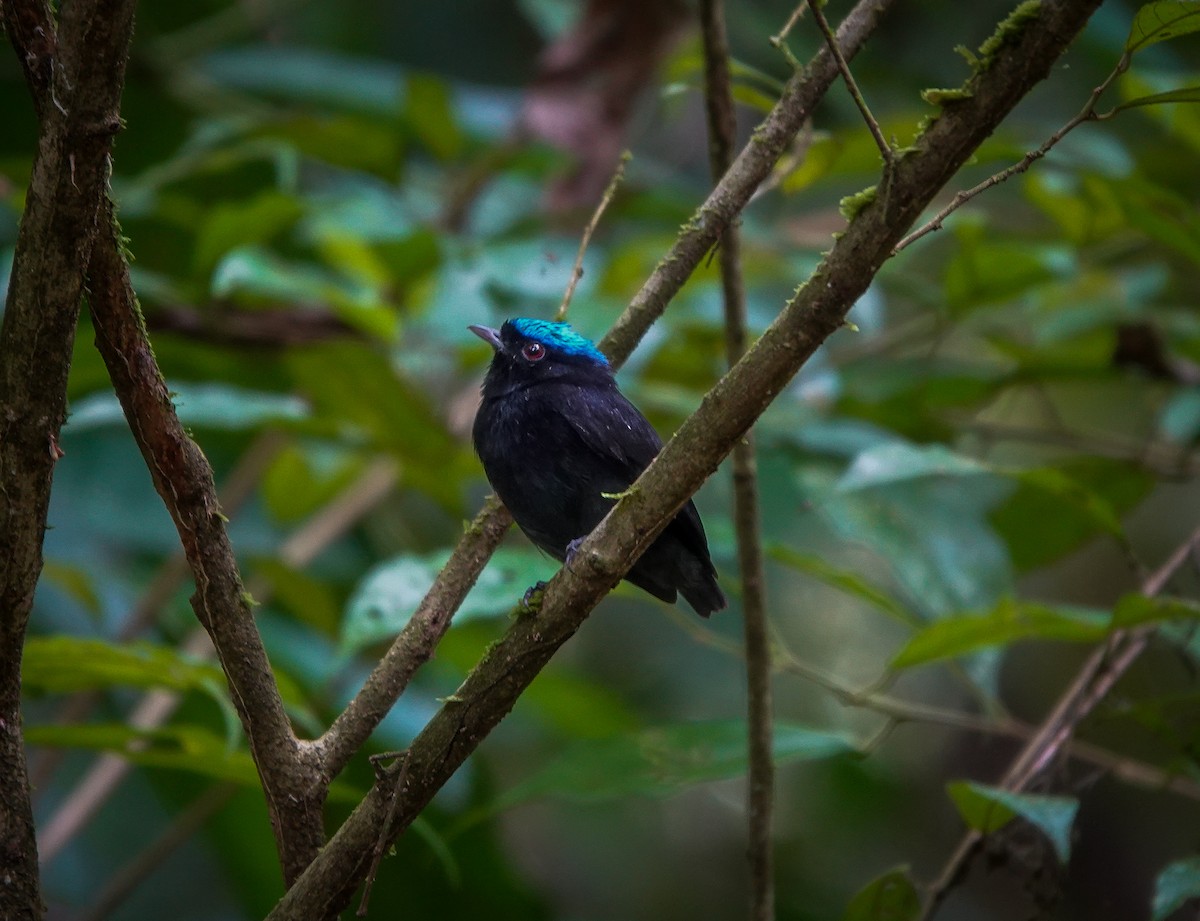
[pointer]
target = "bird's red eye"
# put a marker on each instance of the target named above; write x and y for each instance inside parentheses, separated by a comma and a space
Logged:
(533, 351)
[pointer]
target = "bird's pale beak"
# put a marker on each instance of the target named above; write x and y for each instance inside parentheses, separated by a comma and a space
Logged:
(488, 335)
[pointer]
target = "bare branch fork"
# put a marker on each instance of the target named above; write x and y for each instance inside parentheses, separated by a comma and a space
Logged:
(577, 270)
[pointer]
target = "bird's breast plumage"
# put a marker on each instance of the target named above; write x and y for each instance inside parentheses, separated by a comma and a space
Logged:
(545, 451)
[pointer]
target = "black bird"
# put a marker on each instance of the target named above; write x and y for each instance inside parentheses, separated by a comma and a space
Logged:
(555, 435)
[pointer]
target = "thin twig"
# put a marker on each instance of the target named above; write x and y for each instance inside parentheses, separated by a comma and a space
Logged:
(577, 272)
(760, 793)
(1103, 668)
(1087, 113)
(780, 41)
(885, 149)
(381, 843)
(771, 140)
(901, 712)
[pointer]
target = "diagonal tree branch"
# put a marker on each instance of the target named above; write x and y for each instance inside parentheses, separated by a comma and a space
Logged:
(416, 642)
(76, 77)
(1027, 48)
(184, 480)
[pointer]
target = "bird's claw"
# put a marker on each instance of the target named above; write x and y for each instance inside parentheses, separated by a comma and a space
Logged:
(572, 549)
(532, 599)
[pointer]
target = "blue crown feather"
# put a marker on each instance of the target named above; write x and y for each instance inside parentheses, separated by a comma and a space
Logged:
(558, 337)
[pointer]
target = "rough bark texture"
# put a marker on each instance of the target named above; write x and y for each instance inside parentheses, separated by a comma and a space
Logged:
(76, 76)
(184, 479)
(1027, 49)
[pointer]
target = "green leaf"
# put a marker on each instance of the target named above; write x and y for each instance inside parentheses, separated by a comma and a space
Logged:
(359, 396)
(388, 596)
(987, 809)
(663, 761)
(440, 848)
(890, 897)
(215, 406)
(1161, 213)
(1158, 22)
(579, 707)
(978, 808)
(431, 115)
(848, 580)
(308, 598)
(753, 98)
(76, 582)
(1183, 94)
(1178, 883)
(898, 461)
(1055, 509)
(1133, 610)
(254, 275)
(305, 476)
(354, 142)
(818, 161)
(232, 224)
(184, 748)
(1181, 123)
(309, 76)
(66, 664)
(984, 271)
(928, 531)
(1009, 621)
(1180, 419)
(1057, 483)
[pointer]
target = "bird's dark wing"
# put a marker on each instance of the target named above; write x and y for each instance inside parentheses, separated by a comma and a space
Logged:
(612, 428)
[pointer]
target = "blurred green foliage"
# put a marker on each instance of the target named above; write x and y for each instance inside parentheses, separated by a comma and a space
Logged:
(320, 198)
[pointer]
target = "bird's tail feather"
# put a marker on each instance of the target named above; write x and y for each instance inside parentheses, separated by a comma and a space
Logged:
(704, 596)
